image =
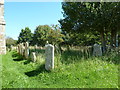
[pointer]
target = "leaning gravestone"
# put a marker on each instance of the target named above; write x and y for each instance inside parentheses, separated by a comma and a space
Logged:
(26, 50)
(97, 51)
(49, 52)
(33, 57)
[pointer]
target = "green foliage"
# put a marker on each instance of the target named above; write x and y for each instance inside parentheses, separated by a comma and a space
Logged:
(40, 34)
(45, 33)
(10, 41)
(81, 39)
(94, 17)
(25, 35)
(55, 36)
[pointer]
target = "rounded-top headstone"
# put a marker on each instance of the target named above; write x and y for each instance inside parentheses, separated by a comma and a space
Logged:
(97, 51)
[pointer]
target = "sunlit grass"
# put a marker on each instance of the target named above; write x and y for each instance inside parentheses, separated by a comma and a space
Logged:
(71, 71)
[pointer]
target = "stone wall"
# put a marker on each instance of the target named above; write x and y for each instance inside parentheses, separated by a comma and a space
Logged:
(2, 29)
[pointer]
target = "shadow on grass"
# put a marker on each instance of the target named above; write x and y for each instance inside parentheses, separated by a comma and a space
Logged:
(27, 62)
(14, 54)
(36, 72)
(17, 57)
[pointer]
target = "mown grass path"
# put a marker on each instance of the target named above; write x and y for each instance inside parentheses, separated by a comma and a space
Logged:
(91, 73)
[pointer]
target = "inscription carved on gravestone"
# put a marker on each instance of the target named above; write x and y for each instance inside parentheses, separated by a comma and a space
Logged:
(2, 29)
(49, 52)
(97, 51)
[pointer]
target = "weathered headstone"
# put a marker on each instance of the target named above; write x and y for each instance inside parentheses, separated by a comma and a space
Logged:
(22, 49)
(36, 47)
(11, 47)
(19, 46)
(26, 50)
(97, 51)
(49, 52)
(33, 57)
(17, 49)
(2, 29)
(117, 43)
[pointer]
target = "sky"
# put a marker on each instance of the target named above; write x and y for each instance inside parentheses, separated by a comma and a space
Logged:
(19, 15)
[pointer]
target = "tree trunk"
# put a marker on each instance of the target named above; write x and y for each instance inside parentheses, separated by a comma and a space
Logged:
(106, 38)
(103, 41)
(115, 34)
(111, 41)
(60, 48)
(113, 38)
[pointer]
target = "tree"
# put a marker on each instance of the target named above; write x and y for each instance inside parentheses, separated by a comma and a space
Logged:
(10, 41)
(78, 21)
(40, 34)
(45, 33)
(55, 36)
(92, 17)
(25, 35)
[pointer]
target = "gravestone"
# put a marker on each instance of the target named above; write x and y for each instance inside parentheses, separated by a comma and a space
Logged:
(26, 50)
(17, 49)
(36, 47)
(49, 53)
(11, 47)
(117, 43)
(33, 57)
(21, 49)
(97, 51)
(2, 29)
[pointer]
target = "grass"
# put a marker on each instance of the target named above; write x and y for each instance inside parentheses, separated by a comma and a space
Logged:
(71, 71)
